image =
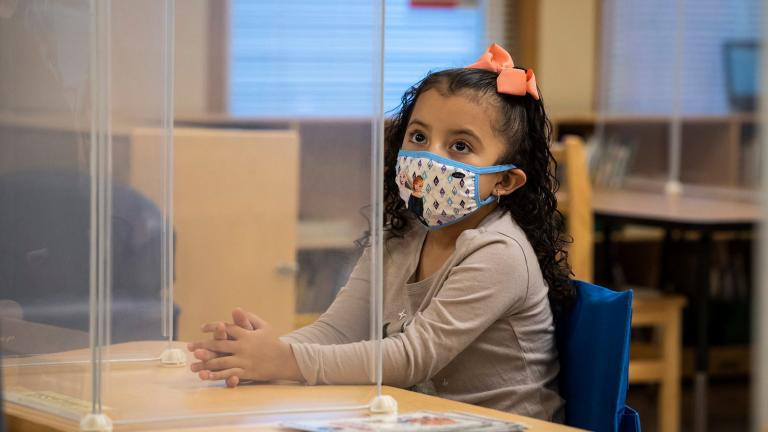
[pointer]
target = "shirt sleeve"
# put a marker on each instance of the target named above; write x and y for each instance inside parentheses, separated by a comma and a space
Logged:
(488, 283)
(348, 317)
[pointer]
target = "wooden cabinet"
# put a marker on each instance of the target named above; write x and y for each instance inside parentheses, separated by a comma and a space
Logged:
(235, 220)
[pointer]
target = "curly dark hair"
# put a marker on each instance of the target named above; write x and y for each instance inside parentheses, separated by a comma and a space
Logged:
(524, 125)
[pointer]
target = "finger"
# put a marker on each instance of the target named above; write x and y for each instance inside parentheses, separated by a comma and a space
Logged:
(205, 355)
(220, 332)
(209, 327)
(222, 375)
(197, 366)
(256, 321)
(222, 363)
(212, 327)
(240, 318)
(233, 381)
(236, 332)
(220, 346)
(218, 328)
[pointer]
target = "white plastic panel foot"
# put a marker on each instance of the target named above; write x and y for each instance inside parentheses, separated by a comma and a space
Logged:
(384, 405)
(96, 423)
(673, 187)
(173, 357)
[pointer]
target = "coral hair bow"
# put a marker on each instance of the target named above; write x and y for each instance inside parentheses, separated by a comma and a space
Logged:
(512, 81)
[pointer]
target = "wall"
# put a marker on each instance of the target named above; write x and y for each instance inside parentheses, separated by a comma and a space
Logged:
(566, 54)
(45, 55)
(191, 57)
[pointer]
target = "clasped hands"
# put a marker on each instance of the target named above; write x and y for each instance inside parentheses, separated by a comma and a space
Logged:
(245, 349)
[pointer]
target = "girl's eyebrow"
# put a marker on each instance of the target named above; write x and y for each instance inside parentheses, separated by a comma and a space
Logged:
(465, 131)
(418, 122)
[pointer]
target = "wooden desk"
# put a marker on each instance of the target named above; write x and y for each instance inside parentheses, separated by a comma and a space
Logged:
(703, 215)
(645, 207)
(145, 390)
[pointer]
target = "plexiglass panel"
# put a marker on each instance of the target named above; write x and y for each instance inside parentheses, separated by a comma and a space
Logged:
(120, 235)
(82, 249)
(677, 94)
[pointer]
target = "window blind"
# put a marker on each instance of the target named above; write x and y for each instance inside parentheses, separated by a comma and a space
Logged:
(646, 43)
(315, 59)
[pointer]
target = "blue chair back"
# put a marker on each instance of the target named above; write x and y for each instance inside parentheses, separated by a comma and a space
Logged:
(593, 340)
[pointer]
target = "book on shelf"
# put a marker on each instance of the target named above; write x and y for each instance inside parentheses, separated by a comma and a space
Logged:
(609, 161)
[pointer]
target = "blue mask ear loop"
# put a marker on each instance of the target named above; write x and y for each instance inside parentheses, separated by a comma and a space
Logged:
(491, 198)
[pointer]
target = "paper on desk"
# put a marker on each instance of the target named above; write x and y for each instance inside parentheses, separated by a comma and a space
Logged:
(57, 403)
(415, 421)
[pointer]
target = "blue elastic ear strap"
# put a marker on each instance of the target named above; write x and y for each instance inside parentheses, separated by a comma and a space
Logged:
(489, 170)
(486, 201)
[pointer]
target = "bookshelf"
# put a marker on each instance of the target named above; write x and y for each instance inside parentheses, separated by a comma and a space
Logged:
(718, 151)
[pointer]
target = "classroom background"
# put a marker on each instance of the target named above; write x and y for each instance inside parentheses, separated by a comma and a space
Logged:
(162, 162)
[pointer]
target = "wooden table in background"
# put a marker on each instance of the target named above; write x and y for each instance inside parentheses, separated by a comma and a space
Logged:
(642, 207)
(144, 390)
(702, 215)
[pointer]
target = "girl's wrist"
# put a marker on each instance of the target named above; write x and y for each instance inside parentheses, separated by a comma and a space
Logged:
(290, 367)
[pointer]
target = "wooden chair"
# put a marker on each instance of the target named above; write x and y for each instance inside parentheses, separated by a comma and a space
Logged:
(575, 201)
(660, 363)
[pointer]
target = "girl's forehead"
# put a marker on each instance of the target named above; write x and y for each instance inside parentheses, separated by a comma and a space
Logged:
(455, 110)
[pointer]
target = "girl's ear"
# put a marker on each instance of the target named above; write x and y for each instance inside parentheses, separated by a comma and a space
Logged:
(510, 181)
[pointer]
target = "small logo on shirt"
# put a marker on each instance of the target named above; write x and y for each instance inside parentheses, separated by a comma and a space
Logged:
(385, 333)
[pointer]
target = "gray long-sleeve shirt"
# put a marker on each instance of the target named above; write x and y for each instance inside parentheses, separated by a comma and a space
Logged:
(479, 330)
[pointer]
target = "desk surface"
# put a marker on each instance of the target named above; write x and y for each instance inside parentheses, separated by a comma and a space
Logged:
(146, 390)
(674, 209)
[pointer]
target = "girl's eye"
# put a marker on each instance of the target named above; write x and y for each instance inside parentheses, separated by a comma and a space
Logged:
(460, 146)
(418, 138)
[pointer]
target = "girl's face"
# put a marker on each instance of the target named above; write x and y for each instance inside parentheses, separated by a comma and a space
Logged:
(456, 128)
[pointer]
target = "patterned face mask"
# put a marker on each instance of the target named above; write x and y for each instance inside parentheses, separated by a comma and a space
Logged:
(438, 190)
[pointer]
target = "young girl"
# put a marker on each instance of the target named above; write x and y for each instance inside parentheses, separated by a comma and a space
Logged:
(470, 287)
